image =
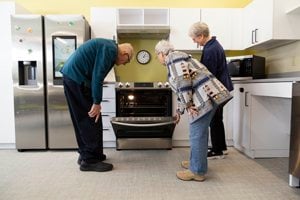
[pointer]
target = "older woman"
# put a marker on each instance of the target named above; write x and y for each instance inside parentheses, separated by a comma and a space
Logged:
(199, 92)
(213, 57)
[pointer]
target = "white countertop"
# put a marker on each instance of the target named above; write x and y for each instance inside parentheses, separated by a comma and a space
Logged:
(268, 80)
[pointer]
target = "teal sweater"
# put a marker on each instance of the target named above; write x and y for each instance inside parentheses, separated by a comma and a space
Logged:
(90, 63)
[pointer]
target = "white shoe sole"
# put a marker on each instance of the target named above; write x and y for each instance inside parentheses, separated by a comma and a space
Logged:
(216, 157)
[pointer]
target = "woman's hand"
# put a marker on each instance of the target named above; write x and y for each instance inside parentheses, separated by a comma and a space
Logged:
(95, 112)
(193, 111)
(177, 118)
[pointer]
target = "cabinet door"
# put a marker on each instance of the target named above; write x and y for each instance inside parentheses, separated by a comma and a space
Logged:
(180, 21)
(181, 131)
(245, 120)
(263, 17)
(228, 121)
(241, 112)
(270, 129)
(248, 25)
(225, 24)
(258, 22)
(103, 22)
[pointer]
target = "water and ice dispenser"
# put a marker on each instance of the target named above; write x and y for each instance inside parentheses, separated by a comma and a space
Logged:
(27, 73)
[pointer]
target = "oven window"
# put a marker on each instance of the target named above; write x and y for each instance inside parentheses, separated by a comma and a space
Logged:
(148, 103)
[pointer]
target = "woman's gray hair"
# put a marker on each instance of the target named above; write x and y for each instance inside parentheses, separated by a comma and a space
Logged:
(199, 28)
(164, 47)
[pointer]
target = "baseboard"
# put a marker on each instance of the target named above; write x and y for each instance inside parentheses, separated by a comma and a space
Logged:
(7, 146)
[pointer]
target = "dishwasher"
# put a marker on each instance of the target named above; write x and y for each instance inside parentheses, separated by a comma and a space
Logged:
(294, 157)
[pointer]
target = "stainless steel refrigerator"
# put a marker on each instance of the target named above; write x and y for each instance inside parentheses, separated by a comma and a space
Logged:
(63, 34)
(28, 81)
(41, 45)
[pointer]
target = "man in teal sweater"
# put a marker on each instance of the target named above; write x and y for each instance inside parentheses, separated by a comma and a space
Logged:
(83, 76)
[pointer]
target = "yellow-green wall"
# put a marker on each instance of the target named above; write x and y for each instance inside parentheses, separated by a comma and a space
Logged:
(152, 71)
(136, 72)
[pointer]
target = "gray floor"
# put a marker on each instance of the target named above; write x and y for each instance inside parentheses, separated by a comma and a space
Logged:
(140, 175)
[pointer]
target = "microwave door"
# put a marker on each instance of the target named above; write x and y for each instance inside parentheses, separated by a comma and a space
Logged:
(234, 68)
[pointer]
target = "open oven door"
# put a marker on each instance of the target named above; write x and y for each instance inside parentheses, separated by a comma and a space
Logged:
(143, 132)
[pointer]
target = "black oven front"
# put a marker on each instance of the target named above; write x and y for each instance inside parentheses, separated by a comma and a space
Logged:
(143, 116)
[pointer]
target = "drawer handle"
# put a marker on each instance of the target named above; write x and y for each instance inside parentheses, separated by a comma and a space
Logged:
(143, 125)
(246, 99)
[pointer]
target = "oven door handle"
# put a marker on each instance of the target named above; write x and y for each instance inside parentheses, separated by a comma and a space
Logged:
(143, 125)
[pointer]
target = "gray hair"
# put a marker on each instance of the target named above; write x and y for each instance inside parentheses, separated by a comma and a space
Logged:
(164, 47)
(199, 28)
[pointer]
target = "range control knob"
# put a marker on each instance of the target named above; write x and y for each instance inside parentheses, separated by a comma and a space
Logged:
(167, 84)
(120, 85)
(127, 84)
(159, 84)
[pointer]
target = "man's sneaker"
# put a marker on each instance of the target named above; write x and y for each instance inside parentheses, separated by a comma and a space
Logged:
(215, 155)
(102, 158)
(97, 167)
(185, 164)
(187, 175)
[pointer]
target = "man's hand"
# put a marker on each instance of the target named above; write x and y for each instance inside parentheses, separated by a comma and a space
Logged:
(95, 112)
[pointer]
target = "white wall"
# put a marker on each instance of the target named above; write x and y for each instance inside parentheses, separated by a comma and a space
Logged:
(7, 125)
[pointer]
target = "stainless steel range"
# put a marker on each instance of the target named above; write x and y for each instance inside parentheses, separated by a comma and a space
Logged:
(143, 116)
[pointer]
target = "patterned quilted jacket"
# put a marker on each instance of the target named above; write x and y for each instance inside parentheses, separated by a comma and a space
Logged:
(194, 84)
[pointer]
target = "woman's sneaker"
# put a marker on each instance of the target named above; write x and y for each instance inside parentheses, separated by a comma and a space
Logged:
(215, 155)
(185, 164)
(187, 175)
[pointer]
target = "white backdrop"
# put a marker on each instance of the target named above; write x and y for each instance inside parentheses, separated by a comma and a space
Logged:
(7, 124)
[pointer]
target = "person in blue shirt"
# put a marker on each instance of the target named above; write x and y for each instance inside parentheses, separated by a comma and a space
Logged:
(83, 76)
(213, 57)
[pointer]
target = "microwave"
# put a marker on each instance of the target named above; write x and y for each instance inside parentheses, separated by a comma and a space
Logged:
(247, 66)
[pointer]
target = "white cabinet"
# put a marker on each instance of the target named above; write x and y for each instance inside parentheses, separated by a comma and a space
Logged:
(108, 105)
(228, 122)
(262, 114)
(266, 24)
(103, 22)
(293, 7)
(226, 25)
(241, 117)
(181, 131)
(143, 16)
(7, 126)
(180, 21)
(218, 20)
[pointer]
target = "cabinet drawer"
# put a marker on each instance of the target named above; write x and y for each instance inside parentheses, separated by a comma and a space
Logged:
(106, 119)
(283, 89)
(108, 134)
(108, 105)
(109, 90)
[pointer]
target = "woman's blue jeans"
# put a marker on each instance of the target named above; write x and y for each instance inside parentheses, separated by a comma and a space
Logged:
(199, 143)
